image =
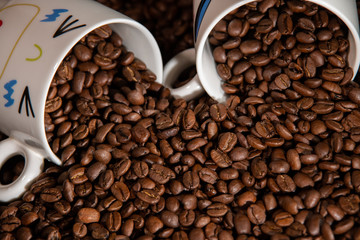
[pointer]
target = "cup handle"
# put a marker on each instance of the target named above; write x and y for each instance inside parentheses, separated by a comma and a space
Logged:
(174, 68)
(32, 168)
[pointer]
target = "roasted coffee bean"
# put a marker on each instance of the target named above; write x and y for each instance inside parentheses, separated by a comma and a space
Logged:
(256, 214)
(120, 191)
(169, 219)
(285, 24)
(246, 197)
(161, 174)
(218, 112)
(154, 224)
(79, 230)
(285, 183)
(250, 47)
(78, 176)
(88, 215)
(258, 168)
(82, 52)
(265, 129)
(224, 71)
(219, 54)
(220, 158)
(282, 81)
(208, 175)
(354, 95)
(53, 104)
(51, 195)
(333, 75)
(191, 180)
(283, 219)
(227, 141)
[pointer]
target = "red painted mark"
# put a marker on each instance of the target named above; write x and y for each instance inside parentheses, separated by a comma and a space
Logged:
(1, 22)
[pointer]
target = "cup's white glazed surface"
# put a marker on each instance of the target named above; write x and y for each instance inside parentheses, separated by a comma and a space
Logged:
(35, 37)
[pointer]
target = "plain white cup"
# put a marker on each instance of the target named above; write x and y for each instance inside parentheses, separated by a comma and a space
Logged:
(207, 13)
(35, 36)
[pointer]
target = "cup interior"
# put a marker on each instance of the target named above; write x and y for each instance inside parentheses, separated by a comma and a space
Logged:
(135, 37)
(350, 17)
(206, 64)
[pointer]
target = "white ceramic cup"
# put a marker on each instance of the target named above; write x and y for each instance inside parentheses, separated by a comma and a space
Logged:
(207, 13)
(35, 36)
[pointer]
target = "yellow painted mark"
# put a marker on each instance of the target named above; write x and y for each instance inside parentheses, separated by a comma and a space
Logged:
(38, 57)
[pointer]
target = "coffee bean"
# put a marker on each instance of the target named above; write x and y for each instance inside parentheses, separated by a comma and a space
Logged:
(285, 183)
(120, 191)
(53, 104)
(196, 144)
(113, 221)
(218, 112)
(208, 175)
(51, 195)
(265, 129)
(82, 52)
(250, 47)
(246, 197)
(187, 218)
(224, 71)
(219, 54)
(312, 198)
(29, 217)
(242, 224)
(217, 210)
(270, 228)
(201, 221)
(306, 24)
(343, 226)
(22, 233)
(161, 174)
(169, 219)
(289, 204)
(79, 230)
(283, 219)
(302, 180)
(323, 107)
(256, 214)
(154, 224)
(285, 24)
(333, 75)
(191, 180)
(264, 26)
(232, 43)
(220, 158)
(354, 95)
(282, 81)
(88, 215)
(227, 141)
(63, 207)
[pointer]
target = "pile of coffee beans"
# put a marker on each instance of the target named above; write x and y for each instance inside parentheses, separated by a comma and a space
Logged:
(270, 163)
